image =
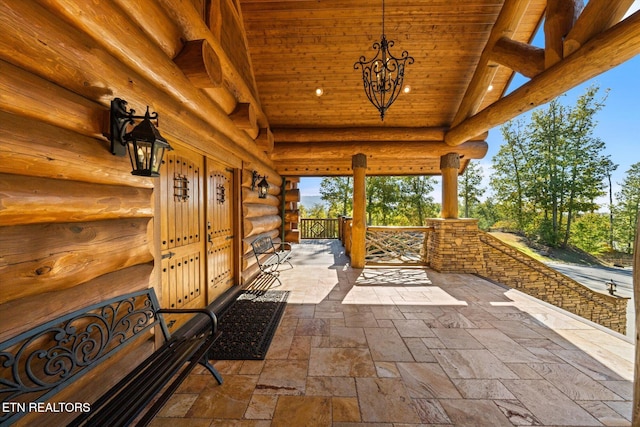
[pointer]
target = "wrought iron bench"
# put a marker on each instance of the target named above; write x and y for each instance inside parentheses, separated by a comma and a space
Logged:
(269, 258)
(37, 364)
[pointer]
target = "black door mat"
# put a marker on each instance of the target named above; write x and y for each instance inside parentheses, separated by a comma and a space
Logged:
(248, 325)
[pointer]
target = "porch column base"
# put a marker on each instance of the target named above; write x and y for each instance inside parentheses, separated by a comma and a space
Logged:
(454, 246)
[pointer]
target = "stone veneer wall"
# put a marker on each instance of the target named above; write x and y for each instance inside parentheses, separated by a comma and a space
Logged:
(507, 265)
(454, 246)
(459, 246)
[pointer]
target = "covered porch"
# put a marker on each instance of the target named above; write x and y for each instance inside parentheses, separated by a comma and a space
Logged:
(410, 346)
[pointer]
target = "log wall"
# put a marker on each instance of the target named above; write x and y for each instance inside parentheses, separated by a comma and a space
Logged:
(76, 227)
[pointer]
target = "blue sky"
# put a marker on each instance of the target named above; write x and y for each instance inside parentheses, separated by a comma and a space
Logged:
(618, 122)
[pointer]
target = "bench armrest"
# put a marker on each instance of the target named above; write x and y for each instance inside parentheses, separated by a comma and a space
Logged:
(209, 313)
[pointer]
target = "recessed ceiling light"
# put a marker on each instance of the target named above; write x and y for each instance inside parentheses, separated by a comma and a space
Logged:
(407, 89)
(490, 88)
(319, 91)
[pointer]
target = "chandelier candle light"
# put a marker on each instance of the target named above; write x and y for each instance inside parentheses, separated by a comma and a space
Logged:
(383, 75)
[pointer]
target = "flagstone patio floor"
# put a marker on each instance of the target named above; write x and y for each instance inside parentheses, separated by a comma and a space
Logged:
(389, 346)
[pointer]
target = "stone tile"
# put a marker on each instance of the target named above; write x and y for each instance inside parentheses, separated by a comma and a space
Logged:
(433, 343)
(623, 389)
(418, 350)
(482, 389)
(345, 409)
(387, 370)
(475, 413)
(548, 404)
(180, 422)
(251, 367)
(413, 328)
(505, 348)
(312, 327)
(229, 400)
(300, 348)
(604, 413)
(517, 413)
(331, 386)
(624, 408)
(386, 312)
(360, 320)
(283, 377)
(573, 383)
(472, 364)
(341, 362)
(347, 337)
(431, 411)
(524, 371)
(385, 400)
(302, 411)
(178, 405)
(514, 329)
(386, 345)
(453, 319)
(427, 380)
(280, 347)
(261, 407)
(456, 338)
(588, 365)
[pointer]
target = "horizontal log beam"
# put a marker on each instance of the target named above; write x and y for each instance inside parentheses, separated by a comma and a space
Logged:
(65, 255)
(390, 150)
(306, 135)
(523, 58)
(54, 200)
(407, 167)
(602, 53)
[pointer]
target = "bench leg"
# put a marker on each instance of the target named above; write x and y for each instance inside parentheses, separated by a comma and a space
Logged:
(205, 362)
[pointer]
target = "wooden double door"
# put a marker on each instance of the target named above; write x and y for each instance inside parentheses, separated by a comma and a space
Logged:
(197, 214)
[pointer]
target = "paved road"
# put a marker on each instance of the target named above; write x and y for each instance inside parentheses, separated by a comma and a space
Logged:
(596, 277)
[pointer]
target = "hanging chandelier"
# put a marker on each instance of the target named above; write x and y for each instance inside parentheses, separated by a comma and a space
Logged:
(383, 75)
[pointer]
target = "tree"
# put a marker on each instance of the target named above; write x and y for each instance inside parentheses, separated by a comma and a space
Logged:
(590, 233)
(383, 194)
(415, 202)
(552, 170)
(510, 175)
(627, 207)
(470, 189)
(338, 192)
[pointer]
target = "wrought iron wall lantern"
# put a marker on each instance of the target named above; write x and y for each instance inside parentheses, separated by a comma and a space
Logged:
(143, 143)
(383, 75)
(263, 185)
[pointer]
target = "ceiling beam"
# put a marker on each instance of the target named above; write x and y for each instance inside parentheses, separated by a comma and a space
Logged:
(603, 52)
(520, 57)
(378, 134)
(392, 151)
(375, 167)
(597, 16)
(506, 25)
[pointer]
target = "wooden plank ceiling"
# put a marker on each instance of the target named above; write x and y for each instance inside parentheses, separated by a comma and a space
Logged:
(298, 46)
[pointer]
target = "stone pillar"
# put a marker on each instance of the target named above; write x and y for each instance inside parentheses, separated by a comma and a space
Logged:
(454, 246)
(359, 227)
(449, 166)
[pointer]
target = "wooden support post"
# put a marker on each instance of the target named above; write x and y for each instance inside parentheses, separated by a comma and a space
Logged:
(359, 227)
(635, 413)
(449, 165)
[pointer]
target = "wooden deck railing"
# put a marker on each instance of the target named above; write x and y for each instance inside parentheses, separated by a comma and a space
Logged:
(319, 228)
(397, 245)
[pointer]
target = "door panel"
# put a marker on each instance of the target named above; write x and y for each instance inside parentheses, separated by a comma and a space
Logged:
(182, 213)
(220, 226)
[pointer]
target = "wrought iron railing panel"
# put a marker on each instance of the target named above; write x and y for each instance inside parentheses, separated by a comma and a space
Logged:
(319, 228)
(38, 363)
(396, 245)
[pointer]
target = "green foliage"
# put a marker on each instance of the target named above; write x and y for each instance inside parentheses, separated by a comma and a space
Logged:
(626, 209)
(390, 200)
(551, 170)
(590, 233)
(338, 192)
(469, 188)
